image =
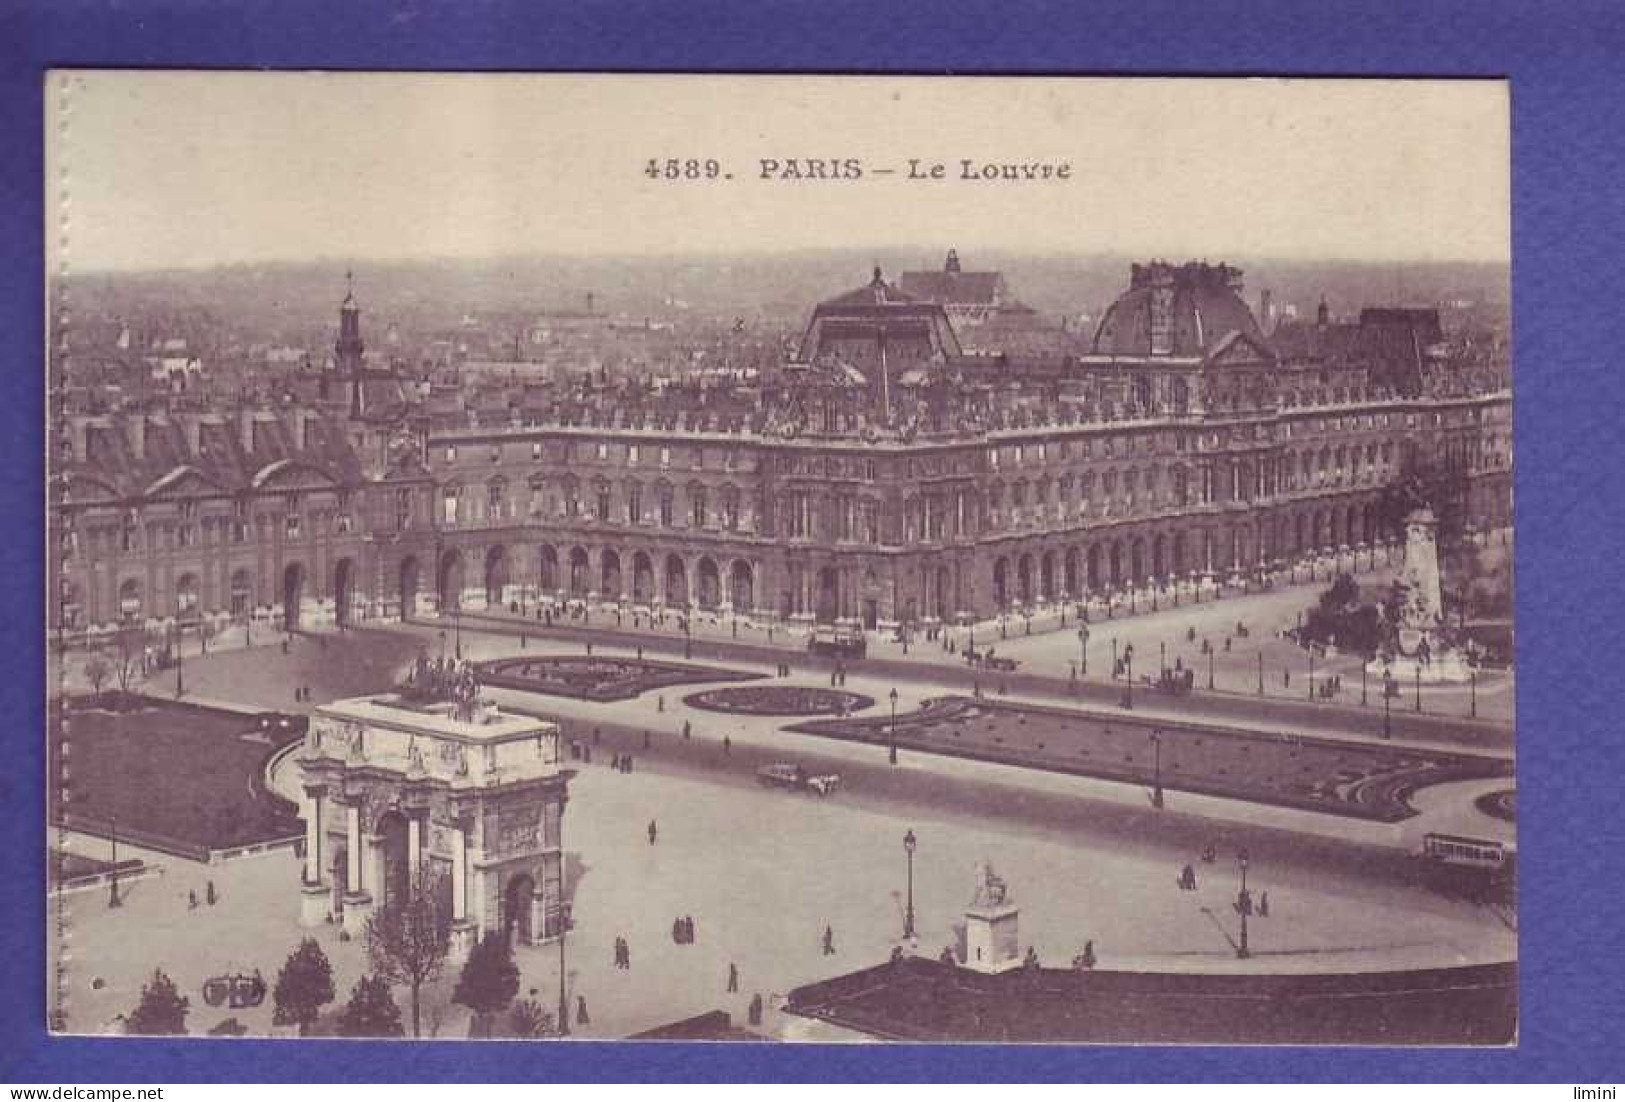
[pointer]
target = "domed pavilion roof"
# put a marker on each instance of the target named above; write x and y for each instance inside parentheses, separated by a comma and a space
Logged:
(1183, 310)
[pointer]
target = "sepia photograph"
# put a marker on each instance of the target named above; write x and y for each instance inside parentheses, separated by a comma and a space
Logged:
(835, 559)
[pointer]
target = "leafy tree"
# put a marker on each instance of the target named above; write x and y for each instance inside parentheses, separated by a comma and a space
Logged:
(529, 1019)
(303, 987)
(97, 670)
(371, 1011)
(489, 982)
(408, 938)
(162, 1010)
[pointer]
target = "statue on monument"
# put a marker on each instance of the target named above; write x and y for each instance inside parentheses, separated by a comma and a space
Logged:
(991, 890)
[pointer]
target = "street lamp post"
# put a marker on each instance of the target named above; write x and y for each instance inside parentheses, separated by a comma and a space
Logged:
(909, 843)
(1114, 660)
(564, 997)
(113, 899)
(1083, 652)
(1210, 669)
(891, 728)
(1128, 668)
(457, 627)
(1419, 686)
(1387, 702)
(1472, 682)
(1260, 673)
(1162, 659)
(1362, 680)
(1156, 770)
(1311, 673)
(1243, 905)
(180, 686)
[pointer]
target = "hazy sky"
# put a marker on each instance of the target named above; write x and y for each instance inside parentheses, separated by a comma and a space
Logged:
(160, 170)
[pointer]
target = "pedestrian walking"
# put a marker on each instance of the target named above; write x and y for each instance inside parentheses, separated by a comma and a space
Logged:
(727, 745)
(646, 739)
(1263, 904)
(210, 894)
(688, 730)
(677, 931)
(688, 929)
(615, 762)
(597, 736)
(191, 899)
(733, 978)
(660, 703)
(652, 832)
(829, 941)
(1088, 958)
(582, 1017)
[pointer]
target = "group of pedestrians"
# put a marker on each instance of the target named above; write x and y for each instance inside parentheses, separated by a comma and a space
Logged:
(621, 763)
(623, 954)
(682, 930)
(301, 694)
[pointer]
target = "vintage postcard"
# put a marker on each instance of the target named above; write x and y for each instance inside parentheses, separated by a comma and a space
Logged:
(777, 559)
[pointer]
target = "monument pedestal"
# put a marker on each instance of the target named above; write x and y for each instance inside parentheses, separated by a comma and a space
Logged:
(1447, 667)
(991, 943)
(357, 909)
(315, 904)
(463, 936)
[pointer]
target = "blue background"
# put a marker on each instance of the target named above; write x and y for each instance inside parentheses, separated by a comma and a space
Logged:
(1565, 61)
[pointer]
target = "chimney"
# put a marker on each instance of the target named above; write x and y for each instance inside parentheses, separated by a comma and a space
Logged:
(245, 429)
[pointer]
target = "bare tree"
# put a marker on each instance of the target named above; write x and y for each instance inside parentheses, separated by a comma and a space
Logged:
(97, 670)
(130, 643)
(408, 939)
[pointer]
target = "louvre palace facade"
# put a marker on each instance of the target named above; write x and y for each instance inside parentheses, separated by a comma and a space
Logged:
(918, 458)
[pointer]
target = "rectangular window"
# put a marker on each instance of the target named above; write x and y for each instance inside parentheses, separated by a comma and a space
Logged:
(603, 505)
(634, 505)
(536, 449)
(603, 450)
(631, 455)
(451, 453)
(665, 458)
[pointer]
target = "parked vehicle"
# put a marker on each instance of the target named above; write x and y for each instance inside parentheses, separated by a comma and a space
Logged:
(838, 643)
(787, 775)
(987, 660)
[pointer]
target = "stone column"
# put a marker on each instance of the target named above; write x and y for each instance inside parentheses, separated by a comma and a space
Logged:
(414, 846)
(464, 933)
(313, 834)
(315, 900)
(459, 875)
(352, 849)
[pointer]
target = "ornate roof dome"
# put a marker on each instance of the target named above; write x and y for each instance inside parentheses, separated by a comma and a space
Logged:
(1177, 310)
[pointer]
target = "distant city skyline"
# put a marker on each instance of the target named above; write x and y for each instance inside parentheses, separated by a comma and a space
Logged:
(156, 170)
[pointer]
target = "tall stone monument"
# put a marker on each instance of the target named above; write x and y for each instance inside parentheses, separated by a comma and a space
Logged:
(1420, 647)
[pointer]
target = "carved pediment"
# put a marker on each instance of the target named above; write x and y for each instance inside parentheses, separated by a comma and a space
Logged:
(290, 474)
(1236, 349)
(184, 481)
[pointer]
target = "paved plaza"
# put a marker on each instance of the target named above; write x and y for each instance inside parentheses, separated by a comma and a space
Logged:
(763, 871)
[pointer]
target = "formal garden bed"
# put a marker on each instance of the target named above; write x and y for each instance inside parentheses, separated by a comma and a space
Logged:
(1500, 805)
(779, 700)
(1359, 780)
(172, 776)
(587, 677)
